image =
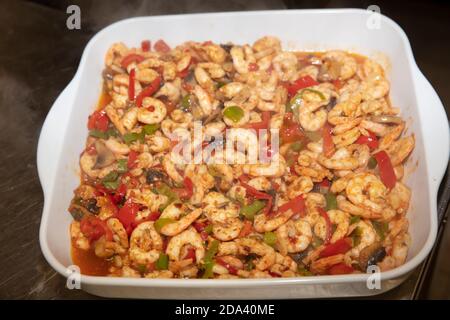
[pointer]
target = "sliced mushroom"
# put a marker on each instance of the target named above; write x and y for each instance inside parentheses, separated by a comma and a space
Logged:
(105, 157)
(387, 119)
(329, 70)
(153, 175)
(371, 255)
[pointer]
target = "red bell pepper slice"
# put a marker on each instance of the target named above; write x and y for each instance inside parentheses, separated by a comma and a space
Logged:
(341, 246)
(94, 228)
(258, 195)
(132, 159)
(387, 173)
(247, 228)
(132, 57)
(290, 130)
(254, 192)
(148, 91)
(328, 145)
(161, 46)
(371, 141)
(127, 215)
(99, 121)
(200, 227)
(131, 84)
(190, 254)
(297, 205)
(301, 83)
(340, 268)
(146, 45)
(229, 267)
(187, 191)
(120, 194)
(253, 67)
(324, 214)
(338, 84)
(154, 216)
(325, 183)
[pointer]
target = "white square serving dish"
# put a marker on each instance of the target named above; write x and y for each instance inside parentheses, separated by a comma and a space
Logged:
(63, 136)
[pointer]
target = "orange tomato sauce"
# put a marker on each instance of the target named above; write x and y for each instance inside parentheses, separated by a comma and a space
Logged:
(89, 263)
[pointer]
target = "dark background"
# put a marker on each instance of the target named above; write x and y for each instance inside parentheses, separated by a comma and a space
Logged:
(39, 56)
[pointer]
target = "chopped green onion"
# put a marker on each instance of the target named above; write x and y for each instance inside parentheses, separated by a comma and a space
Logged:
(295, 102)
(220, 84)
(161, 222)
(250, 210)
(303, 272)
(151, 128)
(381, 228)
(355, 219)
(186, 103)
(130, 137)
(317, 242)
(209, 259)
(112, 176)
(372, 163)
(142, 268)
(208, 229)
(134, 136)
(331, 201)
(98, 134)
(112, 132)
(356, 236)
(313, 135)
(165, 190)
(122, 165)
(320, 94)
(112, 185)
(249, 265)
(234, 113)
(270, 238)
(163, 262)
(296, 146)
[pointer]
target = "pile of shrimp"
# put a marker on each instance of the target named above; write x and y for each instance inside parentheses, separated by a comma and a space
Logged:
(327, 206)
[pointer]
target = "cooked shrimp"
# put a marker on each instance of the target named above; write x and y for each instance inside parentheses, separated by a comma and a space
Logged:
(78, 238)
(267, 254)
(187, 237)
(118, 245)
(294, 236)
(399, 198)
(183, 220)
(401, 149)
(275, 168)
(145, 244)
(299, 186)
(344, 64)
(366, 190)
(367, 236)
(152, 111)
(264, 223)
(321, 266)
(398, 254)
(285, 65)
